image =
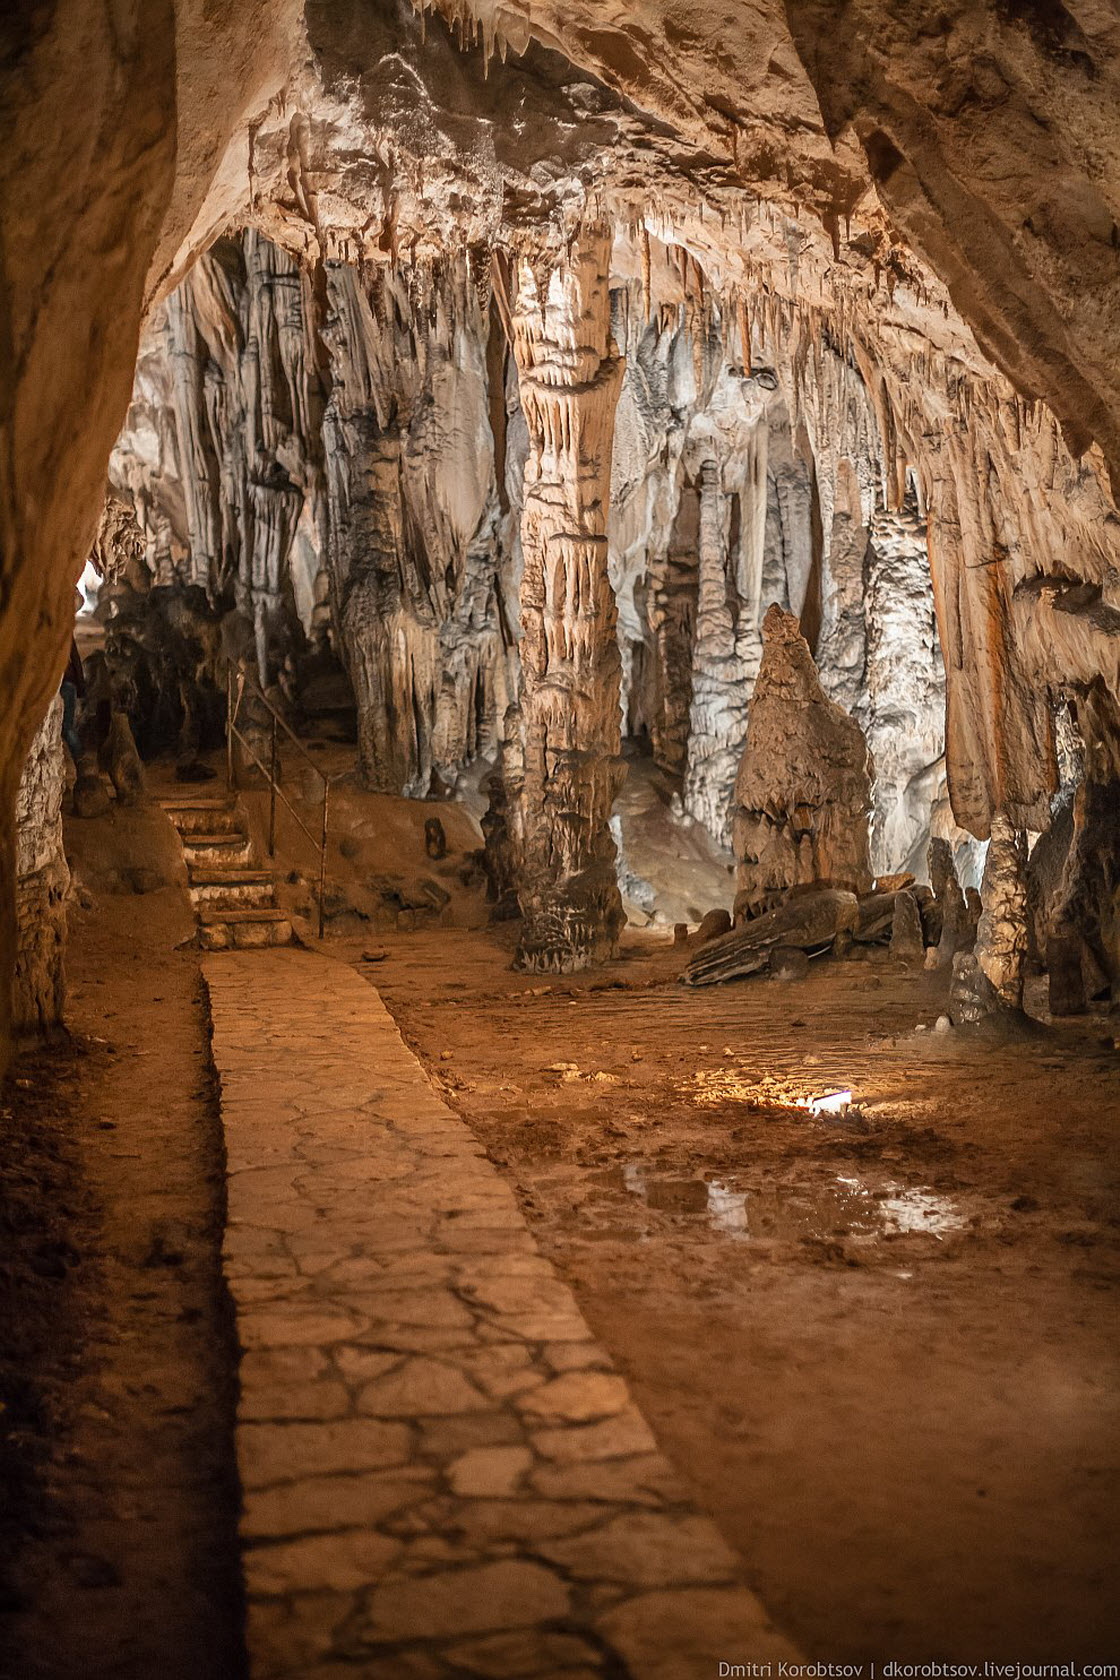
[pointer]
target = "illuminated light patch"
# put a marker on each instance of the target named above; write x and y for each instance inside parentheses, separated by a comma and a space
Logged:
(829, 1102)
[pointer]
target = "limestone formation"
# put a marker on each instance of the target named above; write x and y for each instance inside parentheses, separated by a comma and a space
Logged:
(713, 926)
(876, 918)
(809, 921)
(415, 535)
(318, 459)
(1087, 908)
(1001, 934)
(568, 766)
(925, 276)
(1064, 962)
(435, 838)
(122, 762)
(987, 982)
(907, 940)
(39, 990)
(91, 792)
(803, 792)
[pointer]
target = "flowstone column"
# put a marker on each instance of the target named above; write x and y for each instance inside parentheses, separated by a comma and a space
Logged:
(565, 767)
(726, 652)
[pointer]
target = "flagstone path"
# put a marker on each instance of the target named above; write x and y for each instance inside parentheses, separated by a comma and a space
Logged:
(443, 1474)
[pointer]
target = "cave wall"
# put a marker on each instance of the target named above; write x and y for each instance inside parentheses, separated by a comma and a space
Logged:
(419, 545)
(357, 442)
(946, 211)
(368, 411)
(42, 881)
(316, 452)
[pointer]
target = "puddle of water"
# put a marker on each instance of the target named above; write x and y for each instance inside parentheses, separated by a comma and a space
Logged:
(847, 1207)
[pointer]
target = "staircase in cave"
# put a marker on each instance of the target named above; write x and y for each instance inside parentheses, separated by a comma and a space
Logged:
(234, 900)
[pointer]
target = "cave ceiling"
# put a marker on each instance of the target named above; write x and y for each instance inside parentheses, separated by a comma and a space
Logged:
(927, 194)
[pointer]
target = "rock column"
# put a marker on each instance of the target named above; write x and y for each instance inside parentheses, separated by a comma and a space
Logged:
(42, 879)
(566, 769)
(725, 660)
(1001, 936)
(988, 982)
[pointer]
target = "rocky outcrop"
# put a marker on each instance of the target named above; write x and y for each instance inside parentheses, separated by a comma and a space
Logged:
(811, 921)
(917, 200)
(566, 766)
(39, 987)
(803, 793)
(1001, 934)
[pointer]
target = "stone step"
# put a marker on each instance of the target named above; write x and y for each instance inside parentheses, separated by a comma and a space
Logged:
(230, 850)
(251, 913)
(245, 929)
(200, 802)
(235, 903)
(205, 816)
(237, 888)
(234, 877)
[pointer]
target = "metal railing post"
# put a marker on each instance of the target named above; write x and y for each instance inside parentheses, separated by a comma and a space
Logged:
(323, 853)
(272, 794)
(274, 788)
(229, 727)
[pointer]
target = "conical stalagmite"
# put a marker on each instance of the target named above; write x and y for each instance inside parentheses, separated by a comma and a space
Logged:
(803, 792)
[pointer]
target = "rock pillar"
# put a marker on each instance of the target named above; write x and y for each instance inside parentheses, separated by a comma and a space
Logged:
(803, 792)
(42, 879)
(566, 766)
(724, 664)
(988, 982)
(1001, 934)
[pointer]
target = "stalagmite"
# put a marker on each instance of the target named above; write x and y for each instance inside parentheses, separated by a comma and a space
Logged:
(988, 982)
(906, 927)
(903, 708)
(803, 791)
(1087, 914)
(725, 660)
(568, 718)
(1001, 935)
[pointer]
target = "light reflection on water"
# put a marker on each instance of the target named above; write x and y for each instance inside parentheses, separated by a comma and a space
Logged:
(846, 1207)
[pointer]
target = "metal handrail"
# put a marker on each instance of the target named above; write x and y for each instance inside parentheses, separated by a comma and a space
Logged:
(233, 706)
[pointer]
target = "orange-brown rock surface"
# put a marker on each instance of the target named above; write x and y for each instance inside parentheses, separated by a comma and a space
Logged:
(906, 214)
(803, 792)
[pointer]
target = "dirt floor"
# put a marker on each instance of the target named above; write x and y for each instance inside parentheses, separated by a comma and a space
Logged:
(882, 1346)
(117, 1539)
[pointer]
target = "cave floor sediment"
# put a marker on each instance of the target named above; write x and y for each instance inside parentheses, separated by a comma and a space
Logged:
(878, 1350)
(442, 1470)
(880, 1347)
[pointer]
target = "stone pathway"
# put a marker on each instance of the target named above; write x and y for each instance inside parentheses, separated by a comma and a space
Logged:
(443, 1475)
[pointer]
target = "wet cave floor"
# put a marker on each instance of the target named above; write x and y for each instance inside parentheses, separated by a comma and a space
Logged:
(881, 1345)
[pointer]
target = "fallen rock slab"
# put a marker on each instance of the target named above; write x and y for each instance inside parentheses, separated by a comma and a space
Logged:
(806, 922)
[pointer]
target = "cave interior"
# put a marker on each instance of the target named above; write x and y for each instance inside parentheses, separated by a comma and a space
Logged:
(559, 837)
